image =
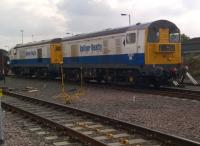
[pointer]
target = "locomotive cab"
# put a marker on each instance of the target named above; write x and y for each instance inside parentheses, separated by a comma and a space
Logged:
(163, 51)
(163, 43)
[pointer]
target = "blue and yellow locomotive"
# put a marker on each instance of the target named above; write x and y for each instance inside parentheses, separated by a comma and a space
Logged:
(147, 53)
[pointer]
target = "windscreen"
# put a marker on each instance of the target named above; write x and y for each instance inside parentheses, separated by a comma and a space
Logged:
(154, 34)
(174, 36)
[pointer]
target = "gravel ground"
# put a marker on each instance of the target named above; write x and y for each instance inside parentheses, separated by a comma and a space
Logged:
(16, 135)
(166, 114)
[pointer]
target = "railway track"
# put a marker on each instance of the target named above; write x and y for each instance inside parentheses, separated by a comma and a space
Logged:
(41, 134)
(171, 92)
(181, 93)
(164, 91)
(89, 128)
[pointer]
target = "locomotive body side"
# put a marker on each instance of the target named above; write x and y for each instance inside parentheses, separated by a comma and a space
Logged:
(106, 57)
(106, 51)
(30, 59)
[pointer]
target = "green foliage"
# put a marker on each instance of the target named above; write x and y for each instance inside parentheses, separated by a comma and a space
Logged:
(184, 37)
(193, 61)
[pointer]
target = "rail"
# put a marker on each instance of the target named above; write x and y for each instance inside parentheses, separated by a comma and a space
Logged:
(132, 129)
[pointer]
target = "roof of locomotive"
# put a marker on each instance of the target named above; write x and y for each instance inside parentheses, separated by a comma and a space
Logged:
(106, 32)
(32, 43)
(154, 24)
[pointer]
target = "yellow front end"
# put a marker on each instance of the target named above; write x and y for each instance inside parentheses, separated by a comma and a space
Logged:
(163, 51)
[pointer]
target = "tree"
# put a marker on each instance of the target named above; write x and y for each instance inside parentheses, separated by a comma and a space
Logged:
(184, 38)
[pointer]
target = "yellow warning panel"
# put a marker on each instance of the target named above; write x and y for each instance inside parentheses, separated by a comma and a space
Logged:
(164, 35)
(56, 53)
(168, 53)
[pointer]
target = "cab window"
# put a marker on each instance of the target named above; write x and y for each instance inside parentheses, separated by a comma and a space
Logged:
(174, 37)
(154, 35)
(130, 38)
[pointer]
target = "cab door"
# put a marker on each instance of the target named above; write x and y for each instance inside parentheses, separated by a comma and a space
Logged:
(131, 44)
(39, 55)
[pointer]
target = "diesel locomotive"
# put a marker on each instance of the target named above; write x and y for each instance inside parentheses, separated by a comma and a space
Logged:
(148, 53)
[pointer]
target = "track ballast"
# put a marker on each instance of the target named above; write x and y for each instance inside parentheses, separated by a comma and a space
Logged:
(89, 128)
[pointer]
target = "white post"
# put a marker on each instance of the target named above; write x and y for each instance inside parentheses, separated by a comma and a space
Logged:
(129, 17)
(22, 31)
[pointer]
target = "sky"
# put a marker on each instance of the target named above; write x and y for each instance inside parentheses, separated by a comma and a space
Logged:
(47, 19)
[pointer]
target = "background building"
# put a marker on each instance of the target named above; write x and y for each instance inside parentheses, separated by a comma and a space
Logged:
(191, 55)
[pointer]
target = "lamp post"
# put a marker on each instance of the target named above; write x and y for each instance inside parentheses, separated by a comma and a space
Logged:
(129, 17)
(22, 31)
(32, 37)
